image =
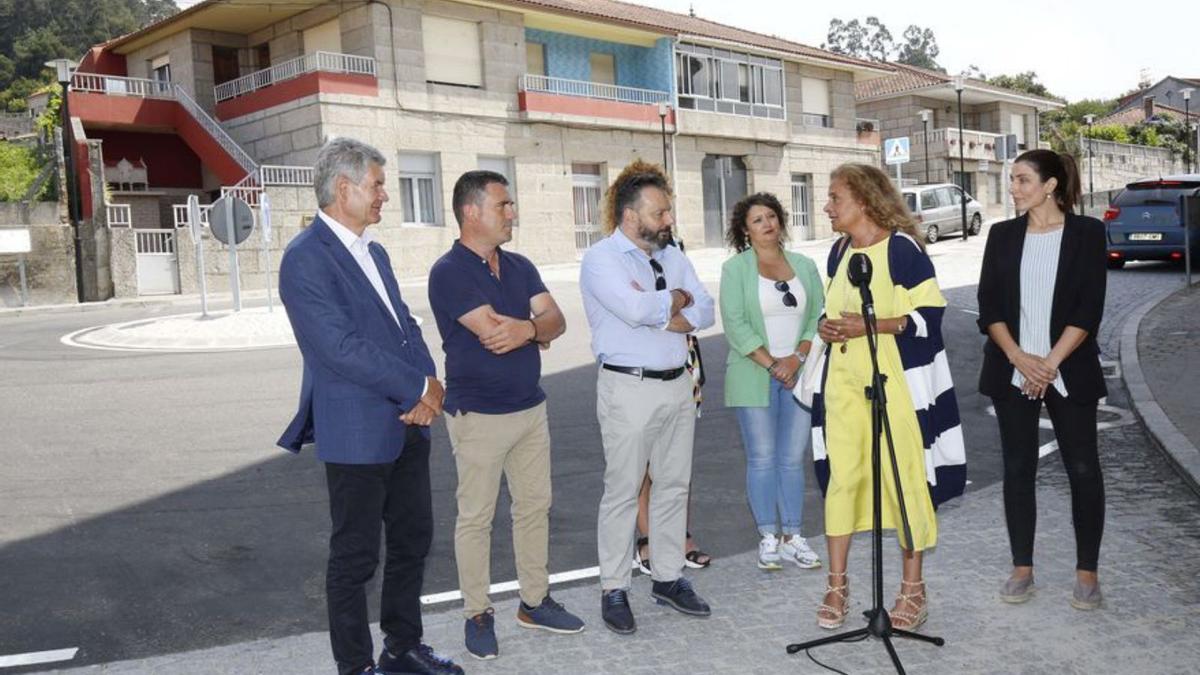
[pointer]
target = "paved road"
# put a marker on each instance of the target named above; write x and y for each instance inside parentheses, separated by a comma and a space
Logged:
(147, 511)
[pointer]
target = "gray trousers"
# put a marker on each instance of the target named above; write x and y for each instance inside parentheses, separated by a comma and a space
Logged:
(644, 422)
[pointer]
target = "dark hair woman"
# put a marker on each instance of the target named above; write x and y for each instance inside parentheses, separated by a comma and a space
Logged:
(1041, 299)
(770, 300)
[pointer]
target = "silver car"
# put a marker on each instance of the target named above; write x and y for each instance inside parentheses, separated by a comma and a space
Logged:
(938, 210)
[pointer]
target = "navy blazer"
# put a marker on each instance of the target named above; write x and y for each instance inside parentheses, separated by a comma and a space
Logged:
(361, 370)
(1078, 300)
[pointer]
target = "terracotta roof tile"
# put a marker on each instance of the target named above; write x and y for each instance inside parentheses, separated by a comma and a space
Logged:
(1136, 115)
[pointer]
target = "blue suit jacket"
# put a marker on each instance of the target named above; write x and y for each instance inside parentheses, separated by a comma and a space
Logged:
(361, 370)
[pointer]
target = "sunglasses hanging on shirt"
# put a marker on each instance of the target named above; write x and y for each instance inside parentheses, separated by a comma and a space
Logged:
(789, 300)
(660, 282)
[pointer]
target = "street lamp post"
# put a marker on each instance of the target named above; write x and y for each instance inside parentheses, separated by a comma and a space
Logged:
(63, 69)
(962, 162)
(1088, 119)
(1187, 127)
(925, 114)
(662, 119)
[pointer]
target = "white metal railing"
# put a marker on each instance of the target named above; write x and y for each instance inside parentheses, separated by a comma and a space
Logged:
(118, 215)
(607, 92)
(180, 213)
(113, 85)
(210, 125)
(155, 242)
(269, 174)
(323, 61)
(247, 189)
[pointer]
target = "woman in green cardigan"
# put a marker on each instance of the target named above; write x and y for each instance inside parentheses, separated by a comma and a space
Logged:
(771, 299)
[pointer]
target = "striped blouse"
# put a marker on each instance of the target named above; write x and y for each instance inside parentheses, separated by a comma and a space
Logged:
(1039, 269)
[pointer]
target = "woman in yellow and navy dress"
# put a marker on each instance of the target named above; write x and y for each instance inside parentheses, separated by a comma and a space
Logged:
(870, 214)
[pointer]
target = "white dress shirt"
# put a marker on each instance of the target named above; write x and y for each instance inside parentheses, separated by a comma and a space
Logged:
(359, 247)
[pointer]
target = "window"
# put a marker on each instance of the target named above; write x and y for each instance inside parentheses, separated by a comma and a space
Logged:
(535, 58)
(225, 64)
(1017, 124)
(816, 109)
(603, 68)
(160, 72)
(505, 167)
(586, 187)
(997, 189)
(801, 205)
(718, 80)
(419, 190)
(325, 37)
(929, 200)
(452, 53)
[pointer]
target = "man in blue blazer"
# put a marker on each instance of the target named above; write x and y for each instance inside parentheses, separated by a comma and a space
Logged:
(368, 396)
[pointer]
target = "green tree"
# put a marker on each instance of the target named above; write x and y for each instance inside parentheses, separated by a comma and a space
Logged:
(35, 31)
(871, 39)
(919, 49)
(1026, 82)
(18, 169)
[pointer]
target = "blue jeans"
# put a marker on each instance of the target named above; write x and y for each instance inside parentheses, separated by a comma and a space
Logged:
(776, 438)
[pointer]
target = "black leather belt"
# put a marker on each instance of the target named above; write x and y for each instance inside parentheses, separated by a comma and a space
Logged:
(664, 375)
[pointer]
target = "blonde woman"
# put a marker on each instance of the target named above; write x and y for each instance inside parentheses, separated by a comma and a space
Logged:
(870, 214)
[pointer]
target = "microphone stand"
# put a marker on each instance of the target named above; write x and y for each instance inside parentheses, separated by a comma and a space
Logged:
(879, 624)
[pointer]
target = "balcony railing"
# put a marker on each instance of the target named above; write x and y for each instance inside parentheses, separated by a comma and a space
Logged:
(113, 85)
(301, 65)
(297, 176)
(118, 215)
(180, 213)
(606, 92)
(976, 144)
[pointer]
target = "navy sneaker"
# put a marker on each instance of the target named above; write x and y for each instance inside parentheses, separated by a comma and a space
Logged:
(549, 615)
(680, 595)
(614, 608)
(420, 660)
(481, 635)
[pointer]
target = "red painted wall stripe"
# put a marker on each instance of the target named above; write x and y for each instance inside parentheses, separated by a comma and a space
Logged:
(297, 88)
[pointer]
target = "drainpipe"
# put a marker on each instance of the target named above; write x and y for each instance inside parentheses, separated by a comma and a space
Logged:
(392, 51)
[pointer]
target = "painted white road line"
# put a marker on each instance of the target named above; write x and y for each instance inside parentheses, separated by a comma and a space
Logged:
(34, 658)
(503, 587)
(1047, 449)
(969, 311)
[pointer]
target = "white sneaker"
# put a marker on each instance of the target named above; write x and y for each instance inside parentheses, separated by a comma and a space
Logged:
(796, 550)
(768, 553)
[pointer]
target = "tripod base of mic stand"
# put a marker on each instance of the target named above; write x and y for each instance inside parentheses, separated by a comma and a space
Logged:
(879, 625)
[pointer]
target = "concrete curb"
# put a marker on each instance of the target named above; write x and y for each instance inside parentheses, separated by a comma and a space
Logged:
(1178, 450)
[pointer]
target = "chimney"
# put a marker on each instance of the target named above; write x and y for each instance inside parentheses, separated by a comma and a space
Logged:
(1147, 107)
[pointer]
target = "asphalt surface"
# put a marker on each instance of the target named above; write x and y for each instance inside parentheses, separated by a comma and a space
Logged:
(146, 510)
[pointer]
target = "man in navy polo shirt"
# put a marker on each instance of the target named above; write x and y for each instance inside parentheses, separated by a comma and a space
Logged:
(494, 313)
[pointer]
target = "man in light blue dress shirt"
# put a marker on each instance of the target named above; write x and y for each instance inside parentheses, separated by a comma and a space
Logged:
(642, 297)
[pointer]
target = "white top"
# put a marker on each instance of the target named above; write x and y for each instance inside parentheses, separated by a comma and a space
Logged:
(1039, 268)
(359, 248)
(782, 322)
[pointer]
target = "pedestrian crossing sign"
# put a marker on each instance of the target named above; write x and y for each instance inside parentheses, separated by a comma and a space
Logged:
(895, 150)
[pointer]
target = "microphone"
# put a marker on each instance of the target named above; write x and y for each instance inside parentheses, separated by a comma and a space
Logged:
(859, 272)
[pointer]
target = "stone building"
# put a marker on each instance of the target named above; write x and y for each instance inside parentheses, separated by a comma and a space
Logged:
(558, 95)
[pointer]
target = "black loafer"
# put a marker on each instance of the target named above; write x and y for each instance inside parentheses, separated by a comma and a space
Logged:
(680, 595)
(420, 660)
(614, 608)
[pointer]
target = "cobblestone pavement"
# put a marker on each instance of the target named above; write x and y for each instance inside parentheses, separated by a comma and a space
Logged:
(1148, 572)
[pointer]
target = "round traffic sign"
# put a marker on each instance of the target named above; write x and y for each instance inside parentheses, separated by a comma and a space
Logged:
(243, 219)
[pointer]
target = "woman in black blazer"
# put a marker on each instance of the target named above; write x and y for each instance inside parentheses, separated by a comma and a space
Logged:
(1041, 299)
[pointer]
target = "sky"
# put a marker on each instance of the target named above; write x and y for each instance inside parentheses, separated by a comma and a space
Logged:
(1079, 49)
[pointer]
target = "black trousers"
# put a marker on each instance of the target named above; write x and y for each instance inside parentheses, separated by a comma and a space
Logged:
(362, 499)
(1075, 428)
